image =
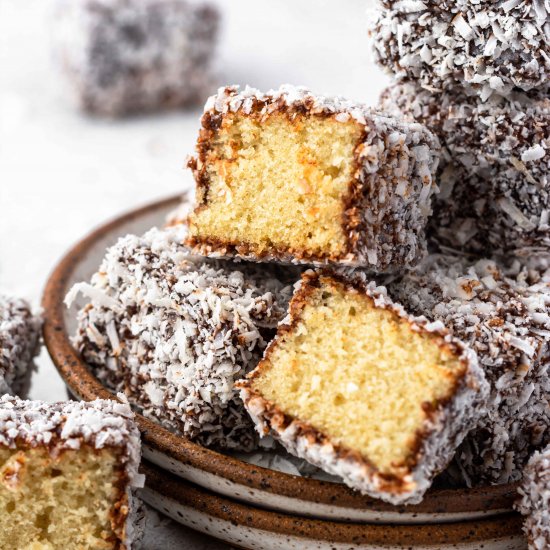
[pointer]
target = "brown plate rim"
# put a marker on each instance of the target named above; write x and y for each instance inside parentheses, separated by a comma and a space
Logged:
(406, 536)
(82, 383)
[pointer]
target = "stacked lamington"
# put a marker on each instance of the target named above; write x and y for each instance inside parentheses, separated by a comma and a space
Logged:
(477, 74)
(319, 180)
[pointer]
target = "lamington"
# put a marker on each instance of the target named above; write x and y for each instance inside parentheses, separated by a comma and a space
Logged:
(494, 173)
(534, 503)
(173, 332)
(19, 343)
(290, 176)
(360, 388)
(122, 57)
(487, 46)
(68, 472)
(502, 313)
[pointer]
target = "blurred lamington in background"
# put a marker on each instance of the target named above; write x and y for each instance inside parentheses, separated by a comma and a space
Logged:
(123, 57)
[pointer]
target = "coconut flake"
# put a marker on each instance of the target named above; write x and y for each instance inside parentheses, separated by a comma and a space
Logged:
(535, 153)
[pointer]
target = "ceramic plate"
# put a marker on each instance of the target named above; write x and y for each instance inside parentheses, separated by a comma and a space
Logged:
(246, 527)
(229, 476)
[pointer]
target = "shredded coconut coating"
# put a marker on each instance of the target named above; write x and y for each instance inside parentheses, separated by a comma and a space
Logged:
(69, 425)
(19, 343)
(390, 195)
(436, 441)
(502, 313)
(126, 56)
(535, 500)
(495, 170)
(486, 46)
(174, 331)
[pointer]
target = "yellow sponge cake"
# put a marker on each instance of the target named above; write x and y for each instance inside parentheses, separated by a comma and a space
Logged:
(358, 387)
(67, 474)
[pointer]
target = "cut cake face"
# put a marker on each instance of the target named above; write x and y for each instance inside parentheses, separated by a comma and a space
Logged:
(361, 389)
(295, 177)
(67, 474)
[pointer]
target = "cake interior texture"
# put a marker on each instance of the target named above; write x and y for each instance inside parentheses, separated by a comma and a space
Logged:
(279, 182)
(358, 374)
(66, 501)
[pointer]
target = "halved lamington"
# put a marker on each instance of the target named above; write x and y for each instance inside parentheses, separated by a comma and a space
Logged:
(19, 339)
(535, 500)
(174, 331)
(360, 388)
(67, 475)
(502, 313)
(291, 176)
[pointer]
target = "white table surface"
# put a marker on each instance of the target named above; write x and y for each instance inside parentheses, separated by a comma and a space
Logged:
(62, 173)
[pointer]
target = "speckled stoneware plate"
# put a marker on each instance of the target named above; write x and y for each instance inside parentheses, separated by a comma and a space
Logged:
(216, 472)
(247, 527)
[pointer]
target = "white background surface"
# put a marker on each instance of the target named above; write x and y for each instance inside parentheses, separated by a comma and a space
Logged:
(62, 173)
